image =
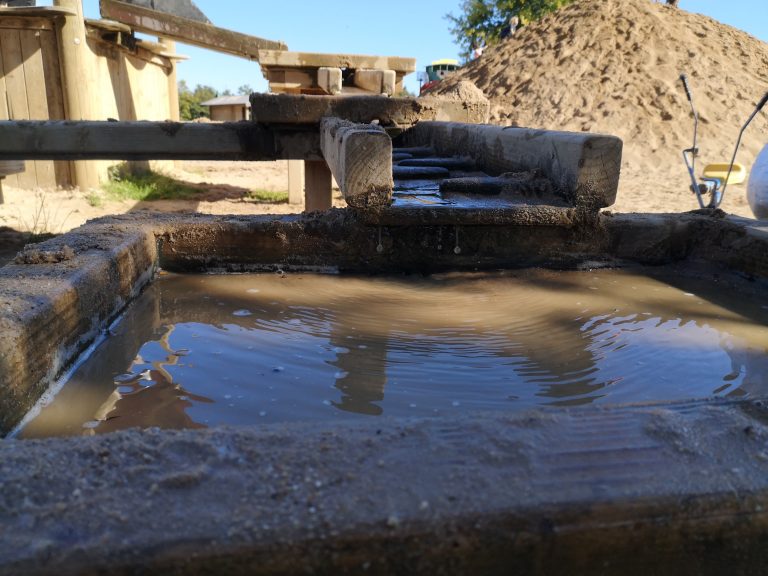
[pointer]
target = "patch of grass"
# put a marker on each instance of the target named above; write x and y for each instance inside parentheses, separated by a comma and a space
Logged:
(94, 200)
(147, 186)
(268, 197)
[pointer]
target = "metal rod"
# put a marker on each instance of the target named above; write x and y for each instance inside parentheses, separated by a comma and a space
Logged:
(759, 107)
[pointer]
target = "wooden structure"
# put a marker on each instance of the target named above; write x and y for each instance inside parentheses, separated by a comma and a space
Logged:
(584, 168)
(186, 30)
(335, 75)
(309, 73)
(229, 108)
(55, 65)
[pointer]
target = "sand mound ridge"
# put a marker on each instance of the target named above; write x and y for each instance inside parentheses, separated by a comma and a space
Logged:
(613, 67)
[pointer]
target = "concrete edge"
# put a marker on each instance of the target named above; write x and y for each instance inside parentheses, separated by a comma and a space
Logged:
(585, 167)
(53, 311)
(673, 488)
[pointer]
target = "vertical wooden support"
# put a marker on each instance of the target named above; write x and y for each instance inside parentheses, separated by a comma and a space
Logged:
(73, 50)
(319, 192)
(295, 181)
(173, 86)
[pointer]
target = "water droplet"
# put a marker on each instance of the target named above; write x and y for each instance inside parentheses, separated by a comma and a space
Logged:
(341, 374)
(412, 405)
(242, 313)
(278, 369)
(455, 403)
(457, 250)
(227, 396)
(253, 291)
(263, 413)
(327, 402)
(380, 248)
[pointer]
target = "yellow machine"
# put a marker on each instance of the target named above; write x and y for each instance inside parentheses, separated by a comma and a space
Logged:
(720, 171)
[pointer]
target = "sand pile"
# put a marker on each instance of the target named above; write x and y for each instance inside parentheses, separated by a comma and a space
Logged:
(613, 67)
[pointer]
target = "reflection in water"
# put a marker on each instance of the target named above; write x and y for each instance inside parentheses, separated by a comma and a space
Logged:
(265, 348)
(148, 397)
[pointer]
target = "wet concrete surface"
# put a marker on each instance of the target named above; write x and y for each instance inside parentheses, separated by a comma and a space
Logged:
(670, 489)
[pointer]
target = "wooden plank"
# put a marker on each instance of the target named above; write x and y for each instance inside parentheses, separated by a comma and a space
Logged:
(584, 167)
(92, 140)
(25, 23)
(16, 90)
(34, 74)
(318, 185)
(295, 182)
(360, 158)
(376, 81)
(187, 31)
(402, 112)
(329, 80)
(284, 59)
(42, 12)
(54, 96)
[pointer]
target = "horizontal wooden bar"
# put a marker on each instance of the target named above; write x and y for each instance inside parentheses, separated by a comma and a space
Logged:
(89, 140)
(285, 59)
(402, 112)
(187, 31)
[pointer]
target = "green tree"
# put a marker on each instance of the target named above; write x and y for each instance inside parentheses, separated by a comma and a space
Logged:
(245, 90)
(190, 101)
(482, 21)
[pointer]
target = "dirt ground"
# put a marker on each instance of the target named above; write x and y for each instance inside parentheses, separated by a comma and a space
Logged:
(223, 190)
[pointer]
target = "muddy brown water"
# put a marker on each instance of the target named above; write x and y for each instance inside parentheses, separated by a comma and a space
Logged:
(198, 351)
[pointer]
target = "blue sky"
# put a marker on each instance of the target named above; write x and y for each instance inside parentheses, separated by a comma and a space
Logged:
(415, 28)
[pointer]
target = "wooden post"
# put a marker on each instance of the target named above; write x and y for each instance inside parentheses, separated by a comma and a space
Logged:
(73, 51)
(360, 158)
(319, 192)
(173, 85)
(295, 182)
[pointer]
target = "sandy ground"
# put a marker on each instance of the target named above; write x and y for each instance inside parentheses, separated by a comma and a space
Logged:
(223, 190)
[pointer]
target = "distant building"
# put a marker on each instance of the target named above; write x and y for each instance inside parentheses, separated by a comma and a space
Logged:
(229, 108)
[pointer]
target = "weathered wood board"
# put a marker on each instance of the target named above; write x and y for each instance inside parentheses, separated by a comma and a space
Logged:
(187, 31)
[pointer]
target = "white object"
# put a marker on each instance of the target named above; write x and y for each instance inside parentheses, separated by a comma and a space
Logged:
(757, 189)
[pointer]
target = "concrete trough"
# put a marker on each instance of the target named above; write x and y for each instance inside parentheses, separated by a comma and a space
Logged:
(663, 488)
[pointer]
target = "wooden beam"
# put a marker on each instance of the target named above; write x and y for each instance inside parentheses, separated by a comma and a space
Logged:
(329, 80)
(36, 11)
(319, 186)
(376, 81)
(402, 112)
(360, 158)
(76, 68)
(295, 182)
(187, 31)
(284, 59)
(29, 140)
